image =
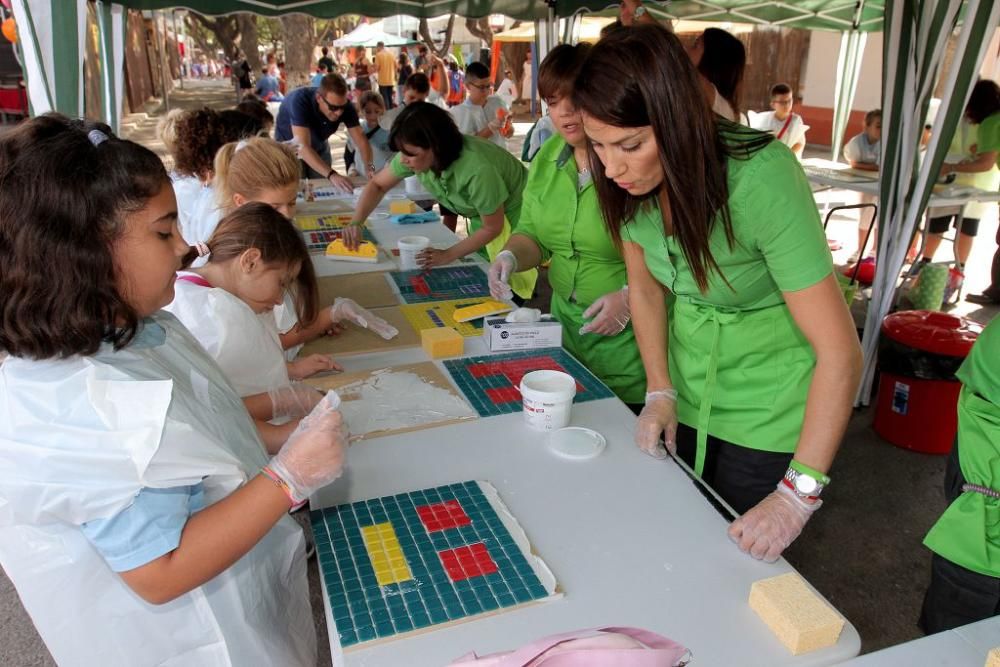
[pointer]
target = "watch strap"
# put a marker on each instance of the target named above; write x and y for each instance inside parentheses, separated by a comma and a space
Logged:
(639, 11)
(811, 472)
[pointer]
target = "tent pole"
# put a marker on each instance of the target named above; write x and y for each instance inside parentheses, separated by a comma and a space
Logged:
(177, 38)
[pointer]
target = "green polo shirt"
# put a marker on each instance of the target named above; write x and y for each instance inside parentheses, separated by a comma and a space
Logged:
(740, 364)
(989, 135)
(483, 178)
(566, 224)
(968, 533)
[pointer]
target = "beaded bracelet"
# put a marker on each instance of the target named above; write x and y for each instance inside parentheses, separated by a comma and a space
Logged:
(283, 485)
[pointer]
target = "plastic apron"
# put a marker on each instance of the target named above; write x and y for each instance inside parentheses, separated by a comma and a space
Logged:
(968, 533)
(244, 344)
(79, 438)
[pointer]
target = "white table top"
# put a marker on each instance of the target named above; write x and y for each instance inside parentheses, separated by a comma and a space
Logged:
(838, 175)
(962, 647)
(631, 540)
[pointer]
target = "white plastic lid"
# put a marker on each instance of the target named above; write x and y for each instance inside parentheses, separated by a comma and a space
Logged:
(576, 442)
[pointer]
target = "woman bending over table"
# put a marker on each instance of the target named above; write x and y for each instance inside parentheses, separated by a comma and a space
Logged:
(751, 373)
(471, 176)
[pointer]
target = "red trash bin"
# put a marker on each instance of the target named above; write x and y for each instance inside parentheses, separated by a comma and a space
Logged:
(919, 352)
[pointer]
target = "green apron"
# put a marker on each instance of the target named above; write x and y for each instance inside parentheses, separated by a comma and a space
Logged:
(968, 533)
(613, 359)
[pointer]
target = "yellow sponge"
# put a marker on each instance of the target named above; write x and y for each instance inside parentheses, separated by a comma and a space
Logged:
(442, 342)
(993, 657)
(402, 207)
(366, 252)
(800, 618)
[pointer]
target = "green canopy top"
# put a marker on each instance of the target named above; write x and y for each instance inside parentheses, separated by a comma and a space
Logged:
(809, 14)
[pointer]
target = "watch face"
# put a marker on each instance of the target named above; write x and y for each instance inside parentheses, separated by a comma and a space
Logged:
(805, 484)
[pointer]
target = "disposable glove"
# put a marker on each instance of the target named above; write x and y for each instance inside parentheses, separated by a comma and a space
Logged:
(293, 400)
(347, 309)
(770, 526)
(610, 312)
(314, 454)
(499, 274)
(658, 416)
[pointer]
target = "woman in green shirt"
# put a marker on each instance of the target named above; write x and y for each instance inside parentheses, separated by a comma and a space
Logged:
(471, 176)
(561, 223)
(965, 570)
(759, 361)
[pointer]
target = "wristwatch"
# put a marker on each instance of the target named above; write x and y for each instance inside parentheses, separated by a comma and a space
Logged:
(330, 173)
(639, 11)
(371, 166)
(804, 485)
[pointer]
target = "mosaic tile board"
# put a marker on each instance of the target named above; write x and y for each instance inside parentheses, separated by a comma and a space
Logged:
(355, 340)
(317, 241)
(490, 382)
(412, 561)
(324, 222)
(368, 290)
(403, 398)
(441, 284)
(441, 314)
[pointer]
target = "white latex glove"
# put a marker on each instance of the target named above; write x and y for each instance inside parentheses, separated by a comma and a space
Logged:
(502, 267)
(610, 312)
(314, 454)
(348, 309)
(293, 400)
(524, 315)
(658, 416)
(770, 526)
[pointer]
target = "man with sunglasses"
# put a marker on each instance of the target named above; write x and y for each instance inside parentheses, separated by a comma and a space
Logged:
(477, 115)
(310, 115)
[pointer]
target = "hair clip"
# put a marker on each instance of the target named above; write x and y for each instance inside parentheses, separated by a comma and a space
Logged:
(203, 250)
(97, 137)
(241, 145)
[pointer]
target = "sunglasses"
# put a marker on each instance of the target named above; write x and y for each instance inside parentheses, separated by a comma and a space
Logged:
(334, 107)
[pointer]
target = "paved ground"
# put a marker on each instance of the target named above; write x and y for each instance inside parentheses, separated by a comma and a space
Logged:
(863, 550)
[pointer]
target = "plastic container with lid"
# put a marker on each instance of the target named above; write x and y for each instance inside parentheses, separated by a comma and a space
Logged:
(919, 353)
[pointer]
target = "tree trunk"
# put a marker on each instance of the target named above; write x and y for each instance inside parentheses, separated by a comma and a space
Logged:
(224, 28)
(299, 40)
(481, 28)
(428, 39)
(247, 24)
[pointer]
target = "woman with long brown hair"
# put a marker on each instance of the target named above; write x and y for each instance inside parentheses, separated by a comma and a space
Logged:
(751, 372)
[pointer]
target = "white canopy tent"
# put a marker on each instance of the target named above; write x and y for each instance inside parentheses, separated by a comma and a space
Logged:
(369, 35)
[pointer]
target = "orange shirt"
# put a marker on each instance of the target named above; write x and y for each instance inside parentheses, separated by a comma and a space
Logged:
(385, 66)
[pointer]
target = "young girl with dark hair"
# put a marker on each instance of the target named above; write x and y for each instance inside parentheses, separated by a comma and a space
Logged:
(468, 175)
(763, 360)
(142, 521)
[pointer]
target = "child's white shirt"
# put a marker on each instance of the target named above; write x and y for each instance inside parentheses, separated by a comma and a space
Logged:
(858, 149)
(472, 118)
(766, 121)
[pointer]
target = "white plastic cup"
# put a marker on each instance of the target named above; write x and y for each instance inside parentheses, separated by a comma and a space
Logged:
(547, 398)
(409, 248)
